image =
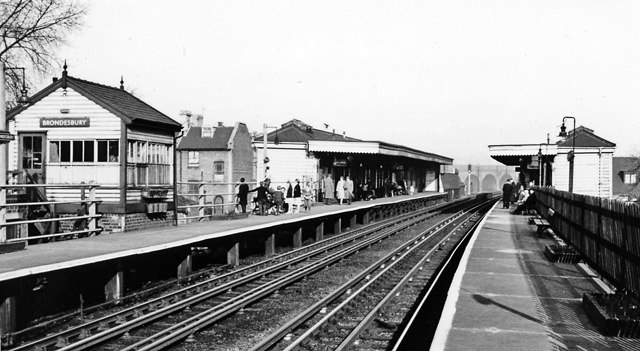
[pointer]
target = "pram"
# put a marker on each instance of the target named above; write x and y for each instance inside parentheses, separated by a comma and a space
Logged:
(271, 207)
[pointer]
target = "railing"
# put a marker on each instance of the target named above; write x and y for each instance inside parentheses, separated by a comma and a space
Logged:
(201, 197)
(606, 232)
(15, 215)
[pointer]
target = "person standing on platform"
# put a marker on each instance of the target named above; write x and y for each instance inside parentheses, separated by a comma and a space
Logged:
(263, 198)
(289, 197)
(329, 190)
(307, 194)
(348, 194)
(278, 198)
(506, 193)
(340, 190)
(243, 192)
(297, 196)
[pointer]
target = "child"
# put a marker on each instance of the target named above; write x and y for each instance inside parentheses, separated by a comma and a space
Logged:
(307, 197)
(278, 197)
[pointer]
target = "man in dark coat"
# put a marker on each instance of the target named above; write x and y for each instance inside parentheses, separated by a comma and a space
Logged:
(506, 194)
(263, 198)
(243, 192)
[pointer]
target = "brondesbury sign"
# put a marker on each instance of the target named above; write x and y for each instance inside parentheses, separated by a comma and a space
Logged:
(65, 122)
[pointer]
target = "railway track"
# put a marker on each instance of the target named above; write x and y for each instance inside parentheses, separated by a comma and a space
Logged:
(376, 309)
(180, 314)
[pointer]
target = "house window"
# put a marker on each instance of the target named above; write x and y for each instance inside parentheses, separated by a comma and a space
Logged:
(218, 171)
(630, 178)
(194, 159)
(193, 188)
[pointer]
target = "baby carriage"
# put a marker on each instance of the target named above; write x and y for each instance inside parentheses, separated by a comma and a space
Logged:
(270, 207)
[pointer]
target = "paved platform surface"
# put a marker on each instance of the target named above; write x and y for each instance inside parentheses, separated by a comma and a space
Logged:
(70, 253)
(507, 296)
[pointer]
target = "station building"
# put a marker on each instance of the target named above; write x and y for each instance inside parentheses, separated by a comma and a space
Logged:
(80, 132)
(548, 164)
(296, 150)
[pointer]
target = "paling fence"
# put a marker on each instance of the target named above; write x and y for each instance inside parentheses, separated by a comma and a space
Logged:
(606, 232)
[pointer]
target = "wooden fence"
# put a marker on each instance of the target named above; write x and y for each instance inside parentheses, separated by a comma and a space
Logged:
(606, 232)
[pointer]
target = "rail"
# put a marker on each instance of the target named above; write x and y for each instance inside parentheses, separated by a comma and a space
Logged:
(197, 200)
(605, 231)
(40, 213)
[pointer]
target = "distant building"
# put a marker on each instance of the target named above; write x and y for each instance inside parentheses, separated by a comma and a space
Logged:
(626, 178)
(452, 185)
(484, 178)
(218, 155)
(75, 131)
(297, 150)
(548, 164)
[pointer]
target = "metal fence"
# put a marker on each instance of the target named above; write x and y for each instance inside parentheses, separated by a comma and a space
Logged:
(606, 232)
(26, 215)
(203, 200)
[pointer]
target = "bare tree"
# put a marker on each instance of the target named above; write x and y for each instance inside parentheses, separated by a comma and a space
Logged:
(31, 30)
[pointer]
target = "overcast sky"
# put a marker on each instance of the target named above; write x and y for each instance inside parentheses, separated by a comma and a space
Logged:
(448, 77)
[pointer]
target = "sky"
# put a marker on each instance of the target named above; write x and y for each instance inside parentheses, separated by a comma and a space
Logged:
(447, 77)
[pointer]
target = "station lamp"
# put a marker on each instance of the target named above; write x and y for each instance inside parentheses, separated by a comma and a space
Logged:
(571, 154)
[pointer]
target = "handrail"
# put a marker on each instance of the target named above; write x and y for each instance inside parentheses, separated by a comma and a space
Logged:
(86, 218)
(17, 186)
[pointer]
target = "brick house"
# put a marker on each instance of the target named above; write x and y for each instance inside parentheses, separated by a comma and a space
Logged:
(217, 156)
(626, 178)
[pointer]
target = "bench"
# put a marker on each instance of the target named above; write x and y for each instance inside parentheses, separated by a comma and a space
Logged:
(541, 223)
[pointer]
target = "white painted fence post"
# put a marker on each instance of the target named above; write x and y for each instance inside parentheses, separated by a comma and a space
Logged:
(92, 209)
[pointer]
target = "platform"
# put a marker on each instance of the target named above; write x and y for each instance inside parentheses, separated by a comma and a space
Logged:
(506, 295)
(72, 253)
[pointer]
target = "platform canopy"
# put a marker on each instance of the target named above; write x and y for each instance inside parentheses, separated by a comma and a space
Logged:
(513, 155)
(375, 147)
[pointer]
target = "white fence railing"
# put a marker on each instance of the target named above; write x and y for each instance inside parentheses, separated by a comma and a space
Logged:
(37, 210)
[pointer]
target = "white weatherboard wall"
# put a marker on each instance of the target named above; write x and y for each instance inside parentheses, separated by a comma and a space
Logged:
(287, 162)
(103, 125)
(592, 172)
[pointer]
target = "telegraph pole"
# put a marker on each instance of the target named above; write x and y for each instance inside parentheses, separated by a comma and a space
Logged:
(3, 156)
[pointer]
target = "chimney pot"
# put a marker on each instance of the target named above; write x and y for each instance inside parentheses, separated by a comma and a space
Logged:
(55, 79)
(220, 124)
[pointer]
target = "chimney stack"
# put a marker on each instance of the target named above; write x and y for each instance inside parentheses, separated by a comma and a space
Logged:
(220, 124)
(199, 119)
(185, 116)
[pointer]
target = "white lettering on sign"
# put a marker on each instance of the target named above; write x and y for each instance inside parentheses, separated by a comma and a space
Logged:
(64, 122)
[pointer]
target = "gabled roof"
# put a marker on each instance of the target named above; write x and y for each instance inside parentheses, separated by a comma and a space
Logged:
(584, 137)
(296, 131)
(116, 100)
(194, 140)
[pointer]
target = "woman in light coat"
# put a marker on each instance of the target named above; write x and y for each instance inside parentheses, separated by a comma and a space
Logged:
(340, 190)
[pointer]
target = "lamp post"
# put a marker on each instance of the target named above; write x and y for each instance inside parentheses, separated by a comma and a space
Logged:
(571, 155)
(540, 169)
(469, 180)
(542, 165)
(276, 141)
